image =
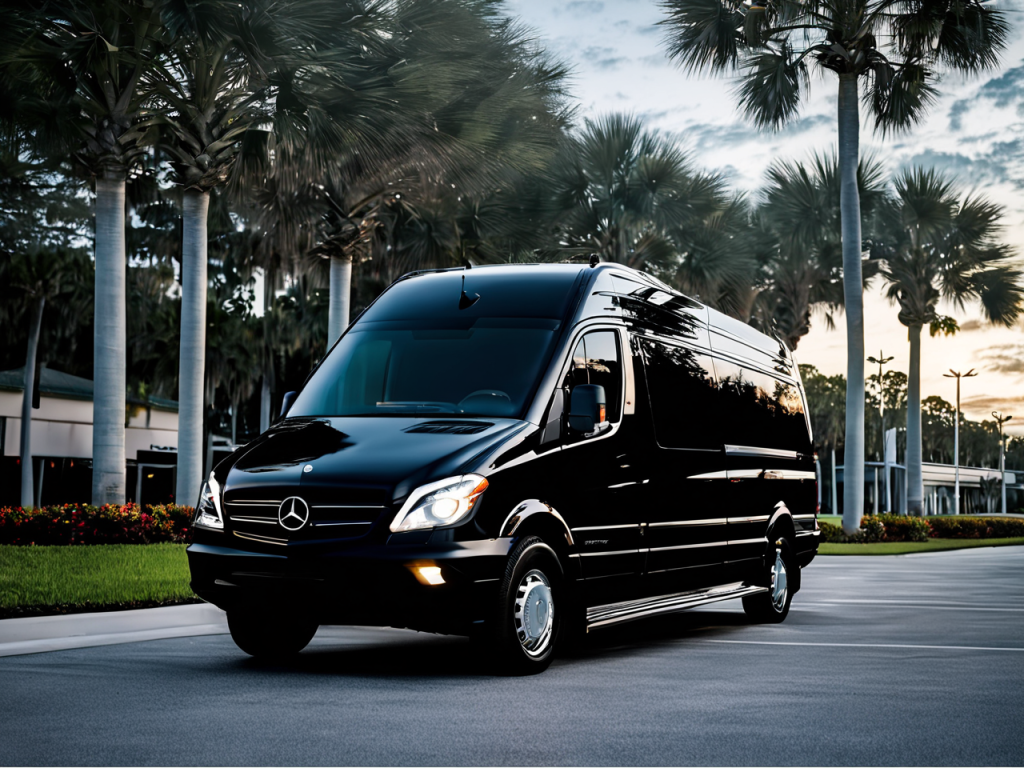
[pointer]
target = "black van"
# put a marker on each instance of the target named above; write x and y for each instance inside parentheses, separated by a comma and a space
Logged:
(517, 453)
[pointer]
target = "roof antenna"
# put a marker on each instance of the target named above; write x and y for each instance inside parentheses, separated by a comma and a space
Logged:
(466, 300)
(594, 260)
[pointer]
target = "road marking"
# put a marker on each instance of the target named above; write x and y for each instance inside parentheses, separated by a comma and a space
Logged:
(885, 604)
(871, 645)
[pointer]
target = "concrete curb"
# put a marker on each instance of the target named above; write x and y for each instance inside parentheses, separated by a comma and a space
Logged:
(43, 634)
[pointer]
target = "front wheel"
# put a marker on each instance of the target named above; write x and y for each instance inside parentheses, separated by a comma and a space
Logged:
(529, 613)
(268, 636)
(772, 607)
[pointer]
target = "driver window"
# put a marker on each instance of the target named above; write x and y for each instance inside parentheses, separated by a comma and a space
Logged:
(597, 361)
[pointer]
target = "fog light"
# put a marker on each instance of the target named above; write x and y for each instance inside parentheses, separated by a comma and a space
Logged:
(430, 575)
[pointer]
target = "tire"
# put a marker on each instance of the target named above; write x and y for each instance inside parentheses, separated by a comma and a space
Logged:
(772, 607)
(270, 636)
(527, 620)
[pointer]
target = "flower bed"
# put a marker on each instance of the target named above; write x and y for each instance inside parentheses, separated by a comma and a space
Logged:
(86, 524)
(875, 528)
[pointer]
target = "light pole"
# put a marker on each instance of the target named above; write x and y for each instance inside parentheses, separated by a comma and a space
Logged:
(1000, 420)
(880, 361)
(956, 434)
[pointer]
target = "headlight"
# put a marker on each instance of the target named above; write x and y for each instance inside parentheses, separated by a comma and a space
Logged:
(208, 511)
(441, 503)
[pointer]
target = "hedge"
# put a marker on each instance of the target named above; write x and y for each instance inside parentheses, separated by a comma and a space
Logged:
(898, 528)
(86, 524)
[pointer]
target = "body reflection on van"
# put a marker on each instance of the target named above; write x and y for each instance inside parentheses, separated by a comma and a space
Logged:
(520, 454)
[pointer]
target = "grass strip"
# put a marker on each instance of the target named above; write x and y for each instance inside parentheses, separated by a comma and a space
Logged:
(908, 547)
(61, 579)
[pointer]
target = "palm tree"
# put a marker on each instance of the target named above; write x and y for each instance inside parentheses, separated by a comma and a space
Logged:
(800, 215)
(481, 109)
(203, 96)
(633, 197)
(942, 245)
(895, 46)
(81, 65)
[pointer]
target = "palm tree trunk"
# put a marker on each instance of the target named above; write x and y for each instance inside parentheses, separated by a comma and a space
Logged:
(915, 483)
(27, 484)
(234, 423)
(192, 364)
(108, 403)
(268, 366)
(853, 292)
(341, 294)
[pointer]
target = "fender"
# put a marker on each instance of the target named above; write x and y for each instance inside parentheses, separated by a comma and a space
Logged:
(781, 511)
(528, 509)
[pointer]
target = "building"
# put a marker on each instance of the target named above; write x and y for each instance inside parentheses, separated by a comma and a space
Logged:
(62, 442)
(979, 489)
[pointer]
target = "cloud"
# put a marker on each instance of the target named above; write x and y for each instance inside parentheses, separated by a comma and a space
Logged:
(612, 62)
(1001, 164)
(970, 325)
(1003, 358)
(1001, 92)
(580, 8)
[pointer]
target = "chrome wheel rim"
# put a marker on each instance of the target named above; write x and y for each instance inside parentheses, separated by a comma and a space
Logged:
(534, 613)
(780, 587)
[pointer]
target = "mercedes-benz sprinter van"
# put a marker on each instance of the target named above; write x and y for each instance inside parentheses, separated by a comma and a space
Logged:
(517, 453)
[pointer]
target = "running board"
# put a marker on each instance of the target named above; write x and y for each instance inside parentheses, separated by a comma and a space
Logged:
(617, 613)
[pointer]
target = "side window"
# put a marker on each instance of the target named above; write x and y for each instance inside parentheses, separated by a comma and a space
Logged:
(763, 411)
(596, 360)
(684, 396)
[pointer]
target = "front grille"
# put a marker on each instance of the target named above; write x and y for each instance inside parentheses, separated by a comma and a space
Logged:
(335, 513)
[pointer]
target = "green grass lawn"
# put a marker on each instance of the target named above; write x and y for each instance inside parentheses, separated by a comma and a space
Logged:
(62, 579)
(907, 547)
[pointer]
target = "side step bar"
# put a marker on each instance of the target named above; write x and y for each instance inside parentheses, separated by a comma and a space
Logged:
(618, 613)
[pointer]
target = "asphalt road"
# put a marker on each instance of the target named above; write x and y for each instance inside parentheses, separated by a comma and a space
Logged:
(914, 660)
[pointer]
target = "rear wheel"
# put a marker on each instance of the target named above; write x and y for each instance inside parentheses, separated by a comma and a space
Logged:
(269, 636)
(528, 616)
(772, 607)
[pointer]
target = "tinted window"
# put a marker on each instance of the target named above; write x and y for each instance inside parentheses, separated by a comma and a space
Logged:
(489, 368)
(684, 398)
(596, 361)
(763, 411)
(526, 291)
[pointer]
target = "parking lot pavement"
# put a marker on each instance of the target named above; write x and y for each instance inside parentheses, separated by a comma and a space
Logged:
(883, 660)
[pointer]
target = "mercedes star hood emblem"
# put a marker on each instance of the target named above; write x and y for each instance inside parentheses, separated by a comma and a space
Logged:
(293, 513)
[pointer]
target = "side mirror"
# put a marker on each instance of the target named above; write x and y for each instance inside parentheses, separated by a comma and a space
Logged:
(289, 398)
(587, 407)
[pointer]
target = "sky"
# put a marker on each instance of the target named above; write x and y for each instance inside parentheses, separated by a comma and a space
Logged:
(975, 131)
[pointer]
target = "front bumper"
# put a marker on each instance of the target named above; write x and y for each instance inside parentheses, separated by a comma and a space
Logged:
(370, 585)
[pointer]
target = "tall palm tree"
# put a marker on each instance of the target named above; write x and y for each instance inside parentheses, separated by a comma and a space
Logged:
(82, 64)
(205, 94)
(895, 47)
(633, 197)
(943, 244)
(495, 111)
(800, 215)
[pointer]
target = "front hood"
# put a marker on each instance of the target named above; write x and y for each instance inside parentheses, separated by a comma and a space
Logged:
(388, 455)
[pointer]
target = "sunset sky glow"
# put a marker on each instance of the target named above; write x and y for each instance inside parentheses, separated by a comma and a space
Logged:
(974, 131)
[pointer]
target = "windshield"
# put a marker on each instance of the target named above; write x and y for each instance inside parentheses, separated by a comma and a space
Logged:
(487, 369)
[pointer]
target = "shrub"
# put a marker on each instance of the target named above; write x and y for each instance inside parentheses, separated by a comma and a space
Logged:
(86, 524)
(831, 532)
(976, 527)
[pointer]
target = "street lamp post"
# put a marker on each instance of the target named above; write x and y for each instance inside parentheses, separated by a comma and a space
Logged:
(1000, 420)
(880, 361)
(956, 435)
